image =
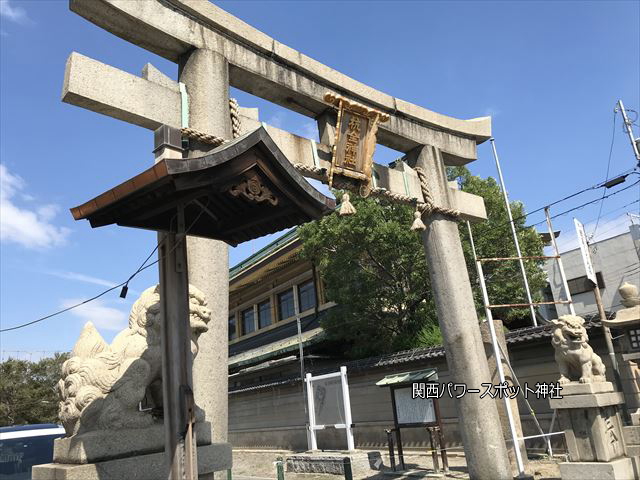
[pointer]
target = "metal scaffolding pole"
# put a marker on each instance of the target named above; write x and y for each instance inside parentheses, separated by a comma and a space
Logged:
(498, 356)
(514, 234)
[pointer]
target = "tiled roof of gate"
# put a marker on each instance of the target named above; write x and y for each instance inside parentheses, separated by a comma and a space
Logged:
(520, 335)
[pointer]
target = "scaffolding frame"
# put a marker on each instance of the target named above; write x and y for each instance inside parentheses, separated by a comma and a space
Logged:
(520, 258)
(498, 352)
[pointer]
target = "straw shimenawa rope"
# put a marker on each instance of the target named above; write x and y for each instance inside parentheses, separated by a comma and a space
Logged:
(214, 139)
(234, 109)
(429, 207)
(426, 207)
(346, 208)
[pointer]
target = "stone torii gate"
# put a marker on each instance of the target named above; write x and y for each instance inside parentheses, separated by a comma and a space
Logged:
(215, 50)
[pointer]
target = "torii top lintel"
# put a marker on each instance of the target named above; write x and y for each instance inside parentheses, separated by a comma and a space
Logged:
(262, 66)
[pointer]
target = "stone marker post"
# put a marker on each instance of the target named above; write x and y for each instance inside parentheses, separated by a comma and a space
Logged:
(206, 76)
(484, 444)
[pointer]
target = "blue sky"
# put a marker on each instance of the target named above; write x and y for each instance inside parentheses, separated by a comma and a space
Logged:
(549, 73)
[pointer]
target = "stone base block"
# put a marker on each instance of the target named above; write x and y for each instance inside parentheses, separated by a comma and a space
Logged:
(103, 445)
(363, 464)
(631, 434)
(635, 418)
(592, 400)
(574, 388)
(620, 469)
(211, 458)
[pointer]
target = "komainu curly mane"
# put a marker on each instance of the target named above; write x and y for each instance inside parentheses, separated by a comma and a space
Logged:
(102, 385)
(575, 357)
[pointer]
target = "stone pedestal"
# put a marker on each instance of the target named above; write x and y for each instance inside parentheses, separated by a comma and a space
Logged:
(129, 453)
(627, 326)
(622, 468)
(589, 415)
(211, 458)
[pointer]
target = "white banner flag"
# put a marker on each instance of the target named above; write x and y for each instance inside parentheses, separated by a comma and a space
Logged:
(584, 248)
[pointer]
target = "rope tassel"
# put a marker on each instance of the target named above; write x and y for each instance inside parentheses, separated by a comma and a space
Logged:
(418, 225)
(346, 208)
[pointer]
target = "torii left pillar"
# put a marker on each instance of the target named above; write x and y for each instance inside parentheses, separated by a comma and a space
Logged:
(206, 76)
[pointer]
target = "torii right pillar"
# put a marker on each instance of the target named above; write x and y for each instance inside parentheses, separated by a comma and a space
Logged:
(481, 430)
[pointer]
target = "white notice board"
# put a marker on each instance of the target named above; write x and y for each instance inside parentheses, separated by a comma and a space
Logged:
(413, 410)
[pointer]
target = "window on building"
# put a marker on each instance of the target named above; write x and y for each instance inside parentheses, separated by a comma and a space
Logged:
(307, 295)
(248, 323)
(285, 304)
(634, 338)
(582, 284)
(264, 314)
(232, 327)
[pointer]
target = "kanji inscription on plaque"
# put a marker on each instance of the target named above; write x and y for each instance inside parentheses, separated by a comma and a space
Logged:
(355, 142)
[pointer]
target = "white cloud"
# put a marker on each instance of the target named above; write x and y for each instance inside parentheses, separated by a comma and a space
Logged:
(81, 277)
(13, 13)
(97, 312)
(31, 228)
(606, 229)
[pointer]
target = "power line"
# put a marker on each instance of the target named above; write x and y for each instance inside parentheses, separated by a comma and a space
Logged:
(68, 308)
(143, 267)
(590, 202)
(624, 174)
(123, 284)
(613, 139)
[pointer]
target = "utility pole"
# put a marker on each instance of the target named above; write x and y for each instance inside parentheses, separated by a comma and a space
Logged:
(296, 308)
(635, 142)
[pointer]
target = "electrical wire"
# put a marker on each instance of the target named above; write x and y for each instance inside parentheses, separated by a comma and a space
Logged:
(143, 267)
(140, 269)
(626, 173)
(613, 139)
(589, 203)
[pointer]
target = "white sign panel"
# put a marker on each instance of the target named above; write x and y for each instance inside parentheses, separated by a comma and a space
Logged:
(584, 249)
(329, 404)
(413, 410)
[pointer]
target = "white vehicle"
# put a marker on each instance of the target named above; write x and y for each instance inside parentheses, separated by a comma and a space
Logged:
(22, 447)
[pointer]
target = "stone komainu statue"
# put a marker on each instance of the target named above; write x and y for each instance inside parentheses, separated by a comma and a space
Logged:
(575, 357)
(102, 385)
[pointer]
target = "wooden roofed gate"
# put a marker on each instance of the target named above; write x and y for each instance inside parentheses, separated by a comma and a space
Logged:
(213, 51)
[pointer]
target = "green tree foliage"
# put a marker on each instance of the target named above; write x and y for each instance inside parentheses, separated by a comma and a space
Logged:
(374, 269)
(28, 390)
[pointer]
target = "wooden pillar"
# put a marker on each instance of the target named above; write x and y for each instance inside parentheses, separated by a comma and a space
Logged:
(177, 384)
(479, 423)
